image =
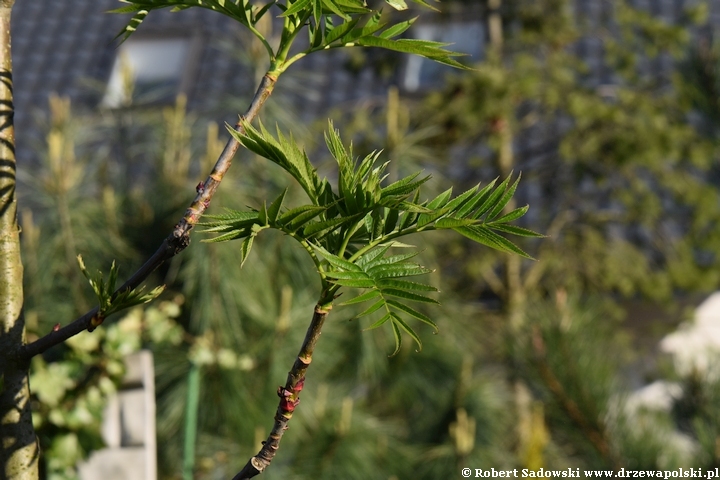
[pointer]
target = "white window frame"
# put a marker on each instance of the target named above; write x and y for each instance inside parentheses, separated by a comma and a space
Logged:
(183, 47)
(412, 80)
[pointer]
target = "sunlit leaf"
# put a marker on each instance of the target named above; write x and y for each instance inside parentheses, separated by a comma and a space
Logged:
(371, 309)
(519, 231)
(510, 216)
(487, 237)
(397, 4)
(454, 222)
(505, 199)
(405, 285)
(362, 298)
(409, 295)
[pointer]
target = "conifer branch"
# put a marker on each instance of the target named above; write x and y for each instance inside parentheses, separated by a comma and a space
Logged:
(289, 396)
(593, 429)
(178, 239)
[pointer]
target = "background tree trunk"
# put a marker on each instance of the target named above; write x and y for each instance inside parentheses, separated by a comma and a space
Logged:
(18, 445)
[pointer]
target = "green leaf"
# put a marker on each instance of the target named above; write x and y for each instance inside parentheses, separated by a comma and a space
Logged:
(127, 9)
(230, 218)
(283, 152)
(478, 199)
(425, 4)
(519, 231)
(274, 208)
(296, 7)
(509, 217)
(371, 309)
(409, 295)
(412, 207)
(334, 9)
(430, 50)
(340, 263)
(245, 249)
(397, 4)
(325, 226)
(391, 220)
(341, 30)
(362, 298)
(507, 196)
(404, 285)
(398, 29)
(404, 186)
(132, 25)
(232, 235)
(393, 259)
(427, 218)
(413, 313)
(372, 255)
(492, 200)
(409, 217)
(399, 270)
(259, 14)
(485, 236)
(382, 320)
(455, 222)
(460, 200)
(300, 215)
(366, 283)
(399, 321)
(397, 335)
(262, 215)
(347, 275)
(440, 200)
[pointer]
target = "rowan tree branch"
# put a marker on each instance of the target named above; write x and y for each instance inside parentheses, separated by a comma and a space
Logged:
(289, 397)
(176, 241)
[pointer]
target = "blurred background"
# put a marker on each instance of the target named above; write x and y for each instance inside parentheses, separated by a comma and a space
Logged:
(600, 354)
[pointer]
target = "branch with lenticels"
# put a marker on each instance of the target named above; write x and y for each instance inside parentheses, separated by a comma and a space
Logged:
(289, 395)
(175, 242)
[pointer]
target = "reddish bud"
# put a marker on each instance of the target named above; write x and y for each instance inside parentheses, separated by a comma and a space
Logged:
(299, 385)
(200, 187)
(56, 327)
(288, 405)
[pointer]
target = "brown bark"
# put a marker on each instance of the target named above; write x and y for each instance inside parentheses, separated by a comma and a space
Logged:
(289, 397)
(18, 444)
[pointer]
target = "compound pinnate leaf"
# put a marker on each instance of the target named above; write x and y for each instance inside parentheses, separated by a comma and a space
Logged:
(487, 237)
(364, 298)
(519, 231)
(413, 313)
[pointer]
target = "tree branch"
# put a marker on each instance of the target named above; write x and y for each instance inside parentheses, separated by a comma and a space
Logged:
(178, 239)
(289, 397)
(593, 429)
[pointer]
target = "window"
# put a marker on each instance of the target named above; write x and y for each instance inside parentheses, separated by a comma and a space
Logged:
(466, 37)
(149, 70)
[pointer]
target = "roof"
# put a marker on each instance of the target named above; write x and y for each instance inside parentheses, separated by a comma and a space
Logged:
(67, 47)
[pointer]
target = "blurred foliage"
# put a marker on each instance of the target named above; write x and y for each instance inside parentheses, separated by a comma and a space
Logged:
(618, 177)
(619, 167)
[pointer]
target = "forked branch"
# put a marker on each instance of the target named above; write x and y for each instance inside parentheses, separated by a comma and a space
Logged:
(176, 241)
